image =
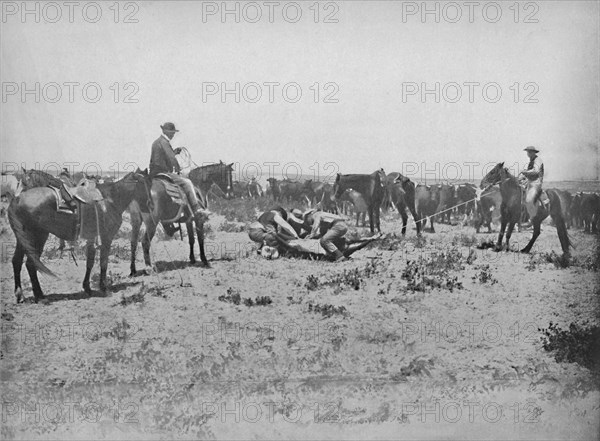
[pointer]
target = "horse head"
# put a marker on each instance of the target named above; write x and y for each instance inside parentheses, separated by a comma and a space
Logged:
(494, 176)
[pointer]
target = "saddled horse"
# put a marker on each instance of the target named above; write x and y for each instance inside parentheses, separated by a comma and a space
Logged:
(162, 208)
(371, 189)
(34, 214)
(510, 209)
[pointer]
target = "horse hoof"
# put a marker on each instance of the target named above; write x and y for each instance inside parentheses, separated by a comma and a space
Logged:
(524, 251)
(148, 270)
(204, 265)
(19, 295)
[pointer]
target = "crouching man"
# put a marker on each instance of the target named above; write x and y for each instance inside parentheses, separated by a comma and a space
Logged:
(330, 228)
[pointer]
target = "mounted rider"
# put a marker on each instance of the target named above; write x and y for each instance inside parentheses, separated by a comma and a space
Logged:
(532, 179)
(164, 161)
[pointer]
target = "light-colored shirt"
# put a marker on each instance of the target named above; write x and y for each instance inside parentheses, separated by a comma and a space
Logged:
(321, 216)
(535, 171)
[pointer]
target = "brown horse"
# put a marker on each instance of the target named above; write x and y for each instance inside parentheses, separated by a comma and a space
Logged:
(34, 215)
(371, 189)
(510, 209)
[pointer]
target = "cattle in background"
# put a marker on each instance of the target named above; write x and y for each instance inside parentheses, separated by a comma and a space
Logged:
(313, 190)
(427, 199)
(371, 189)
(576, 210)
(465, 200)
(358, 202)
(566, 200)
(447, 195)
(254, 189)
(488, 208)
(273, 189)
(327, 202)
(240, 189)
(590, 212)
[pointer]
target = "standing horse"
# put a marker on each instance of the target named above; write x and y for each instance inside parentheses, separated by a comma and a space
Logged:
(510, 209)
(34, 215)
(207, 176)
(161, 208)
(371, 189)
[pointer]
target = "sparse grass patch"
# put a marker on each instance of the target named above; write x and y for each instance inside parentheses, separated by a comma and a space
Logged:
(230, 227)
(467, 240)
(579, 344)
(485, 275)
(434, 271)
(328, 310)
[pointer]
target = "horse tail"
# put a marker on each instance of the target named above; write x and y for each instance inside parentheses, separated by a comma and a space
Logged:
(24, 239)
(561, 227)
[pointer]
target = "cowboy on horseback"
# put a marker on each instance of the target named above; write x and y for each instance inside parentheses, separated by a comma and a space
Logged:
(532, 179)
(164, 161)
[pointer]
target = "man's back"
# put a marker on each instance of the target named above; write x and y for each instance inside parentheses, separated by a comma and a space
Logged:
(162, 159)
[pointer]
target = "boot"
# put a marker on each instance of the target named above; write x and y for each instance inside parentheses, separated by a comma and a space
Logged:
(339, 257)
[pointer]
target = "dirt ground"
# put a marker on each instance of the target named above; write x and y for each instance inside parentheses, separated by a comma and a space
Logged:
(354, 350)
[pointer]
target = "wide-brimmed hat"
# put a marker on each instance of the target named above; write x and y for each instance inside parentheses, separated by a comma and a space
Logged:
(531, 149)
(169, 127)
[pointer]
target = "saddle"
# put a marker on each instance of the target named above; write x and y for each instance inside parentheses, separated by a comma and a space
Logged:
(86, 202)
(68, 197)
(177, 196)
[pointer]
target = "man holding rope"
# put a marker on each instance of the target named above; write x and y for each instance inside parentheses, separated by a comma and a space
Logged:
(163, 160)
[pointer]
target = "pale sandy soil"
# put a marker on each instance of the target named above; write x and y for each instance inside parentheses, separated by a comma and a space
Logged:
(179, 363)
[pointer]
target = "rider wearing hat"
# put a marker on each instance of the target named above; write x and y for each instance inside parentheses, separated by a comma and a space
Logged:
(533, 179)
(163, 160)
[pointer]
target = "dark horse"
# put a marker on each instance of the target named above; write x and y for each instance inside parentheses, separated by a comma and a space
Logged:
(214, 177)
(163, 209)
(371, 189)
(510, 209)
(33, 216)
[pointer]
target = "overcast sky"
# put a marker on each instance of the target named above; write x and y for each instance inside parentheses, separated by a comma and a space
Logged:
(373, 52)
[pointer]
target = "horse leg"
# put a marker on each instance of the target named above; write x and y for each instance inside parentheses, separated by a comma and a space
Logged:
(200, 233)
(511, 226)
(431, 222)
(39, 242)
(136, 223)
(501, 235)
(104, 252)
(372, 219)
(190, 232)
(17, 263)
(146, 241)
(90, 252)
(415, 217)
(536, 232)
(357, 218)
(402, 212)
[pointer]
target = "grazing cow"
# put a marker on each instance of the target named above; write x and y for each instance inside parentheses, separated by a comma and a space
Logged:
(371, 189)
(427, 199)
(447, 201)
(486, 207)
(359, 203)
(465, 200)
(590, 212)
